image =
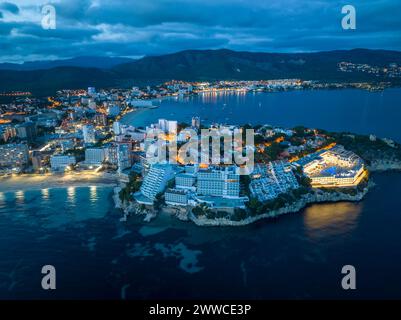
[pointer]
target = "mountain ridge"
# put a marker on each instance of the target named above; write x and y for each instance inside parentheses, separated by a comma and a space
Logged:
(80, 61)
(204, 65)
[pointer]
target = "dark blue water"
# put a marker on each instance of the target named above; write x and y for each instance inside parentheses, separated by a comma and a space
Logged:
(294, 256)
(354, 110)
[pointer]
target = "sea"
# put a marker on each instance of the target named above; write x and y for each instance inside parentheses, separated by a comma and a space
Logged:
(296, 256)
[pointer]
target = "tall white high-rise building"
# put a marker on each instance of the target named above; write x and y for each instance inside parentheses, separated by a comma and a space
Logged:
(223, 182)
(155, 181)
(92, 104)
(123, 156)
(162, 124)
(95, 156)
(116, 128)
(91, 91)
(111, 154)
(89, 134)
(195, 122)
(172, 126)
(61, 162)
(167, 125)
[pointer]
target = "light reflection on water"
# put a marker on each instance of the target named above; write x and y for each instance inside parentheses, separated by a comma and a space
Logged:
(45, 194)
(93, 194)
(213, 97)
(71, 194)
(331, 219)
(55, 205)
(20, 196)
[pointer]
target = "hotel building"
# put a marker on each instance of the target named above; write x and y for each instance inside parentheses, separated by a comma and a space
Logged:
(176, 197)
(154, 182)
(167, 126)
(89, 134)
(61, 162)
(271, 180)
(335, 167)
(14, 155)
(123, 156)
(95, 156)
(220, 182)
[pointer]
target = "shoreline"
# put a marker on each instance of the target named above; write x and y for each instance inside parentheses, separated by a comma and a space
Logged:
(28, 182)
(132, 119)
(378, 166)
(318, 196)
(129, 117)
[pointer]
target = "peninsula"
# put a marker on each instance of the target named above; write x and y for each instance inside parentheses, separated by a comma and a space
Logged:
(293, 168)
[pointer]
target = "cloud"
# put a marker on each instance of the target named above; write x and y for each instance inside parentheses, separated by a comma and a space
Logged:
(143, 27)
(9, 7)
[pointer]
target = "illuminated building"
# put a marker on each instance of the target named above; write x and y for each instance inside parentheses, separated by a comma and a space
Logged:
(222, 182)
(14, 155)
(154, 182)
(116, 128)
(91, 91)
(39, 160)
(176, 197)
(123, 156)
(95, 156)
(101, 119)
(167, 126)
(195, 122)
(271, 180)
(61, 162)
(335, 167)
(7, 132)
(89, 134)
(26, 131)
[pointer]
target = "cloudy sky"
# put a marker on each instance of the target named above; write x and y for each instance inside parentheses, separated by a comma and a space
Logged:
(135, 28)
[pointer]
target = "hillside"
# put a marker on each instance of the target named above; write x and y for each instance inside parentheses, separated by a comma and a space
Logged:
(227, 64)
(204, 65)
(46, 82)
(82, 62)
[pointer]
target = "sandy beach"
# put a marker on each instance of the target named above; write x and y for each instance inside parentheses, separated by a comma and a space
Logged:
(38, 181)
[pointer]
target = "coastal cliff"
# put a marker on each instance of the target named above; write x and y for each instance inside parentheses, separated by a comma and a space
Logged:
(316, 197)
(130, 207)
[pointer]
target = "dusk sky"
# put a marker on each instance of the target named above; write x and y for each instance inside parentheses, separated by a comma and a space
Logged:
(145, 27)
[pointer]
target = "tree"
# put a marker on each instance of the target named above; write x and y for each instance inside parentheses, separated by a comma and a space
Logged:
(171, 183)
(158, 201)
(258, 139)
(273, 151)
(299, 131)
(133, 185)
(239, 214)
(254, 204)
(245, 180)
